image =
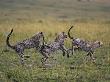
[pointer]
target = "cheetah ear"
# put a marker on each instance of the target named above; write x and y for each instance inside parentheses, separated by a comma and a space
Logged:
(63, 32)
(55, 34)
(41, 32)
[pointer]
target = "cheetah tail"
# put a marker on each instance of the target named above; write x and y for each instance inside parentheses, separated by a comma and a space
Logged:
(7, 40)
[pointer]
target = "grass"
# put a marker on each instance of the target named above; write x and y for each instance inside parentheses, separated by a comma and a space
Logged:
(91, 22)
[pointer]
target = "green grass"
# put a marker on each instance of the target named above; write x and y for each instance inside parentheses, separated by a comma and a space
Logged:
(91, 22)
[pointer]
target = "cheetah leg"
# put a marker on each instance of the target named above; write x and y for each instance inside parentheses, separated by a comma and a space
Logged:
(21, 58)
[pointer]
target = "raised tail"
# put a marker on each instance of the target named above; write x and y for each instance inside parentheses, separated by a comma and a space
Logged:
(7, 40)
(69, 33)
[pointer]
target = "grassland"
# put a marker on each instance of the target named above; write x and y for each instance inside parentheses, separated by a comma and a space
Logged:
(91, 21)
